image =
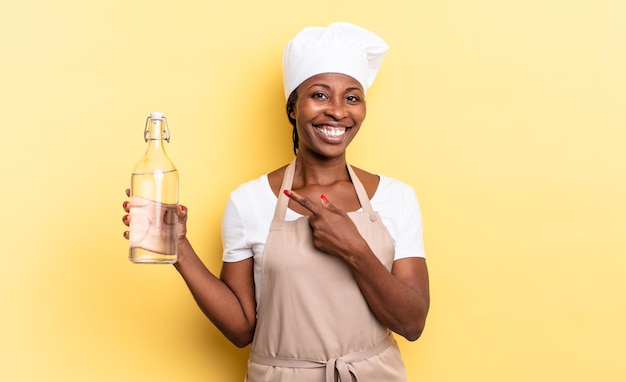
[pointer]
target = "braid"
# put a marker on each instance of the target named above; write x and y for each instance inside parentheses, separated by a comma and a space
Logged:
(291, 104)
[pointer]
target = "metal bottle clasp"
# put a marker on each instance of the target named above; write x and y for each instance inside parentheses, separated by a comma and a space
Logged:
(167, 130)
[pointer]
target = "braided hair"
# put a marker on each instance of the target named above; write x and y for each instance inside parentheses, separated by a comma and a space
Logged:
(291, 104)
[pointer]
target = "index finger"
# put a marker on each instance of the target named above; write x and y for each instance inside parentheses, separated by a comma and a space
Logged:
(304, 201)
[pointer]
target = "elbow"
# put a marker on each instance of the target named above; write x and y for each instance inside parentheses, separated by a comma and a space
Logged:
(413, 331)
(413, 335)
(241, 343)
(414, 328)
(242, 339)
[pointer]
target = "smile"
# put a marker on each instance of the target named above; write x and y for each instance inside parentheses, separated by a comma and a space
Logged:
(330, 131)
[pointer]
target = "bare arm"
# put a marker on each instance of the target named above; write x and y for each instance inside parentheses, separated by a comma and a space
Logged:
(400, 298)
(227, 301)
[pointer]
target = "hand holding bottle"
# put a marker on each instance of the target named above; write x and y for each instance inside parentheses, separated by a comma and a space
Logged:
(143, 224)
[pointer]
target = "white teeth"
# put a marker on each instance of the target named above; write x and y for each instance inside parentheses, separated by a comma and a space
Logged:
(332, 131)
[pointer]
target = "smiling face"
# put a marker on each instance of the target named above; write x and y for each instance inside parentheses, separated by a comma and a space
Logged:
(328, 112)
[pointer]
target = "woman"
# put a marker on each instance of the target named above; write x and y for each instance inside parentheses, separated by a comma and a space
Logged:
(322, 261)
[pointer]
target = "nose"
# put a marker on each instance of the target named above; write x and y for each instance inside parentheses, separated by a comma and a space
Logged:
(336, 109)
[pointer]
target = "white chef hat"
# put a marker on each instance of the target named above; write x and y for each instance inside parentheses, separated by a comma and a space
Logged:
(339, 48)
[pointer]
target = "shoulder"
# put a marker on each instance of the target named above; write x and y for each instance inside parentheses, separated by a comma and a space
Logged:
(251, 187)
(395, 197)
(394, 186)
(370, 181)
(250, 202)
(381, 185)
(384, 188)
(252, 194)
(275, 179)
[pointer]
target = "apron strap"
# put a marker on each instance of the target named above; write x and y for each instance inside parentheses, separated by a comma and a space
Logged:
(364, 200)
(283, 200)
(281, 207)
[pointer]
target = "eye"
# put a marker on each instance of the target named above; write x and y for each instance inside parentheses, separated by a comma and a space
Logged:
(318, 95)
(353, 99)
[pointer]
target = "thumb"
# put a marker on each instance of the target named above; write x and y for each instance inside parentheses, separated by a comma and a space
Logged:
(182, 211)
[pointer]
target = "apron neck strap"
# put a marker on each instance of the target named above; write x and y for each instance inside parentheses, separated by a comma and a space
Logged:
(364, 200)
(283, 200)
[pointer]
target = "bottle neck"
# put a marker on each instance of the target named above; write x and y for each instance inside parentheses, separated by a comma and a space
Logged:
(155, 145)
(156, 130)
(155, 159)
(156, 134)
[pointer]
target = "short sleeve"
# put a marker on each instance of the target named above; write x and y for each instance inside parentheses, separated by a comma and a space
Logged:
(399, 208)
(234, 234)
(410, 240)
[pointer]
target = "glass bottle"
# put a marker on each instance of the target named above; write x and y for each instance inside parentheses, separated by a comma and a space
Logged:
(154, 199)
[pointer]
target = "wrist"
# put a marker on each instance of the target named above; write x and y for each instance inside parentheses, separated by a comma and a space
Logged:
(183, 248)
(182, 244)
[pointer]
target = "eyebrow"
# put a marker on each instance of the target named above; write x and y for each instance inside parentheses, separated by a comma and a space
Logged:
(320, 85)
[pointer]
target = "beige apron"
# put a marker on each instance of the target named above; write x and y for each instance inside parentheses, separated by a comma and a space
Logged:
(313, 323)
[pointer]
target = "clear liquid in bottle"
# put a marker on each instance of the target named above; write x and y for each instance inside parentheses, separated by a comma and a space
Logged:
(153, 224)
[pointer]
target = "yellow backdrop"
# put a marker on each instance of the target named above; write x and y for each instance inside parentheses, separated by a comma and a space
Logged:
(508, 118)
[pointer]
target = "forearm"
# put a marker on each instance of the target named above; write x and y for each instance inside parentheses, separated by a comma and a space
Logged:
(399, 299)
(215, 298)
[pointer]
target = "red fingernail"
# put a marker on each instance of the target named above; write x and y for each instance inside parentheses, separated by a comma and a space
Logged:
(287, 192)
(324, 198)
(126, 204)
(182, 208)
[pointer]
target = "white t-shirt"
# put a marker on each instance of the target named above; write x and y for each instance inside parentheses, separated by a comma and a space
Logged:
(250, 210)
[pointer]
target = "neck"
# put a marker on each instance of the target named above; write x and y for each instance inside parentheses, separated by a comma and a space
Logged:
(312, 171)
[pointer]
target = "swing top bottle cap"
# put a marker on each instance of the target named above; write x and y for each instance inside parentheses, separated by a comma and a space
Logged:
(156, 115)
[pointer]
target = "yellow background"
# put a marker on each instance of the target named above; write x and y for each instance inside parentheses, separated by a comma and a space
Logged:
(508, 118)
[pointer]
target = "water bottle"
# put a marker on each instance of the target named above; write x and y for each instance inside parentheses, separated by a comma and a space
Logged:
(154, 199)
